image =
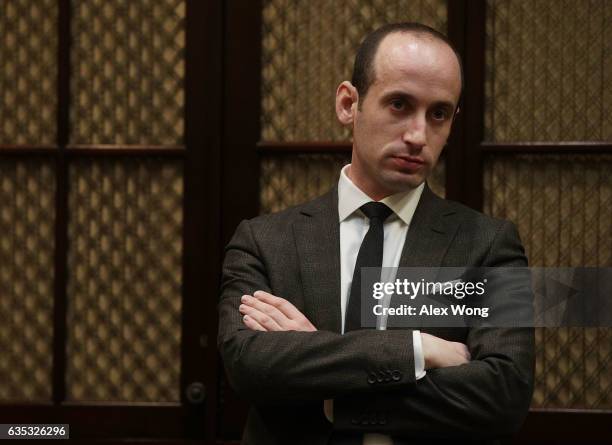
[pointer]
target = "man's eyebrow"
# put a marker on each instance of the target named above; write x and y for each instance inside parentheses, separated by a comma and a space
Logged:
(397, 94)
(445, 104)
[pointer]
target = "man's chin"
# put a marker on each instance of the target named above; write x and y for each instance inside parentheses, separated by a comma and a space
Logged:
(403, 183)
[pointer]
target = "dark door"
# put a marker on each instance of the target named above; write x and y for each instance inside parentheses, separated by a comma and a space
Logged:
(109, 154)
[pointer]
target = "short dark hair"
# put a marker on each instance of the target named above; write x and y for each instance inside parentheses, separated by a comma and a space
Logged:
(363, 70)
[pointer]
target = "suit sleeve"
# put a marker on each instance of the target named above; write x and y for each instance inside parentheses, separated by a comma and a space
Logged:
(487, 397)
(273, 367)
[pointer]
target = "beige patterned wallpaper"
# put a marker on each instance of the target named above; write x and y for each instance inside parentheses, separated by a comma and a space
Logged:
(28, 48)
(124, 288)
(562, 205)
(27, 226)
(549, 70)
(549, 78)
(127, 72)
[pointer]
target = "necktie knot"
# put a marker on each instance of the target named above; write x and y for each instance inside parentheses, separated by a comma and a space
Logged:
(376, 210)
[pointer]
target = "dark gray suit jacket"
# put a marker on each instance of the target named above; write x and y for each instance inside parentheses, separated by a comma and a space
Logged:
(295, 254)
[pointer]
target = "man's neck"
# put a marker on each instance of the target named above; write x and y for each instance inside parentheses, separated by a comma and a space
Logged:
(372, 190)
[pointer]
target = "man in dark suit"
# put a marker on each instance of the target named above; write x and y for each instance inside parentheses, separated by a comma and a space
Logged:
(288, 333)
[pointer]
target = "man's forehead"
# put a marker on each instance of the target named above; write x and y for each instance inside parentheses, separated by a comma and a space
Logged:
(411, 54)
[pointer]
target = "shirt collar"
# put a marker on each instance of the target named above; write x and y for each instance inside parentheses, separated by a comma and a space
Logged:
(351, 197)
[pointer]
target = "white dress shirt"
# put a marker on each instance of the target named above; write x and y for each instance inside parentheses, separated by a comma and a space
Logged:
(353, 228)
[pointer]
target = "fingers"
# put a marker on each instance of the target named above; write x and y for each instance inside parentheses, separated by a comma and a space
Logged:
(252, 324)
(286, 308)
(274, 313)
(265, 315)
(293, 318)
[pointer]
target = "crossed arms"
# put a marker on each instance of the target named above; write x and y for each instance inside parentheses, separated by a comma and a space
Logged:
(276, 355)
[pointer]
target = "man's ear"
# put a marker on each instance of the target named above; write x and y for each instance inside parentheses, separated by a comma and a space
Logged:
(347, 100)
(456, 114)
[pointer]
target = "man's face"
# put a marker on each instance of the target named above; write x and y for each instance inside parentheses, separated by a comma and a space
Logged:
(402, 124)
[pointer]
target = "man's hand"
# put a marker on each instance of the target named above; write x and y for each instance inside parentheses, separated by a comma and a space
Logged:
(441, 353)
(265, 312)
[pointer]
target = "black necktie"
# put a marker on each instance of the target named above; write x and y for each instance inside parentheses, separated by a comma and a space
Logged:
(370, 255)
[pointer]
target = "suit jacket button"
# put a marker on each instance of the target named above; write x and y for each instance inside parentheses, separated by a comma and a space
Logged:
(380, 378)
(371, 378)
(396, 375)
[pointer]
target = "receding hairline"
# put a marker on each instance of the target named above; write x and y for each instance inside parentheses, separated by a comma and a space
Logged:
(363, 68)
(417, 34)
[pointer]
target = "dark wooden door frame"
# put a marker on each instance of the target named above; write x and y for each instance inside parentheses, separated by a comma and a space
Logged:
(200, 155)
(201, 241)
(241, 113)
(239, 157)
(466, 29)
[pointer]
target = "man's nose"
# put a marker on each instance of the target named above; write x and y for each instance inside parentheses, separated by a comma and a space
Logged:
(415, 131)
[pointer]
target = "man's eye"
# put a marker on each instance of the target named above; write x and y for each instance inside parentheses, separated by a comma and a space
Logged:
(397, 104)
(439, 114)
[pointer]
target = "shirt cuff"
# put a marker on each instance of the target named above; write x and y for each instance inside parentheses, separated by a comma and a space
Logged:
(419, 357)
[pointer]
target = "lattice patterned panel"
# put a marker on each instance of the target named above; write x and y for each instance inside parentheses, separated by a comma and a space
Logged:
(28, 48)
(124, 287)
(548, 70)
(128, 69)
(308, 49)
(563, 207)
(290, 180)
(27, 214)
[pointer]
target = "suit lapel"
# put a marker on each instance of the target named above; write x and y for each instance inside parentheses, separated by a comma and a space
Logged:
(317, 239)
(431, 232)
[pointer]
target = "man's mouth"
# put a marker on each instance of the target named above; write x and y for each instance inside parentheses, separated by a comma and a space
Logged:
(409, 164)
